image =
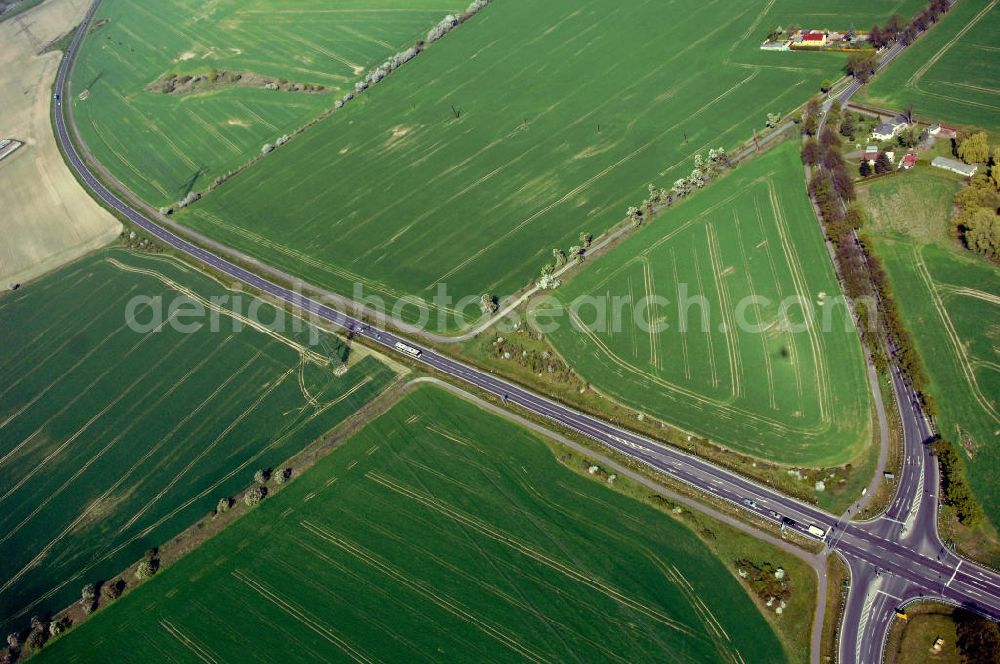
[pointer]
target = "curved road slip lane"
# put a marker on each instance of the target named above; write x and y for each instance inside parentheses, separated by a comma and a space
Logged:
(903, 561)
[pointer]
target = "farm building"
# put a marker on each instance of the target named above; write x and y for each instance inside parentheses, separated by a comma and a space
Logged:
(942, 131)
(781, 40)
(809, 38)
(887, 130)
(954, 166)
(775, 45)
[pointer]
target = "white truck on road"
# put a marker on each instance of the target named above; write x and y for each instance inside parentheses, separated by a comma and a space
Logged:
(817, 532)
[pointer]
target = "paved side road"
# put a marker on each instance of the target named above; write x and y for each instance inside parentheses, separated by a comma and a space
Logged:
(902, 556)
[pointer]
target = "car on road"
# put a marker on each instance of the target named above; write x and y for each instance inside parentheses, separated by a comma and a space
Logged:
(774, 515)
(749, 503)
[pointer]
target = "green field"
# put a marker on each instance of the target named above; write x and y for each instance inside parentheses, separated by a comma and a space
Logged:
(916, 204)
(766, 387)
(952, 74)
(951, 302)
(439, 532)
(530, 124)
(113, 441)
(927, 622)
(161, 145)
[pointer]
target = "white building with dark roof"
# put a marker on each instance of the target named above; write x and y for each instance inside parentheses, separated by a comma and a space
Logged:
(889, 129)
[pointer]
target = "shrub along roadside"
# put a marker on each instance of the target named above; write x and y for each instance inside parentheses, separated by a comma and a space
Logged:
(955, 489)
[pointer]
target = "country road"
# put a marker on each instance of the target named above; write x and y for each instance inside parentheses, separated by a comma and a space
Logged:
(893, 559)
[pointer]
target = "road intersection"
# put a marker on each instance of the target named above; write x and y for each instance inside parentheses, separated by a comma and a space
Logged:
(894, 559)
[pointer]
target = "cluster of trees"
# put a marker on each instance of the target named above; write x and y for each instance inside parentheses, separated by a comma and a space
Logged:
(978, 639)
(577, 253)
(258, 491)
(882, 165)
(704, 171)
(255, 494)
(831, 185)
(955, 489)
(42, 629)
(149, 565)
(863, 64)
(444, 26)
(977, 221)
(977, 217)
(897, 29)
(975, 149)
(488, 303)
(108, 591)
(539, 362)
(852, 264)
(88, 598)
(865, 281)
(768, 581)
(449, 22)
(848, 126)
(903, 350)
(39, 634)
(390, 65)
(810, 117)
(849, 123)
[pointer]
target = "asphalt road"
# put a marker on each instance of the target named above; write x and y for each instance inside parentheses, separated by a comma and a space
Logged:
(877, 594)
(893, 559)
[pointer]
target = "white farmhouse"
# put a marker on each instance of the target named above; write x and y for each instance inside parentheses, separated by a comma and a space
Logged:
(887, 130)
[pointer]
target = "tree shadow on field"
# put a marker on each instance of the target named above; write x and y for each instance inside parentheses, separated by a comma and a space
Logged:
(97, 78)
(186, 188)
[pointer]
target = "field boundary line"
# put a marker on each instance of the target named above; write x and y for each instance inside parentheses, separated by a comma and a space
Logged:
(953, 337)
(914, 80)
(303, 617)
(529, 551)
(498, 634)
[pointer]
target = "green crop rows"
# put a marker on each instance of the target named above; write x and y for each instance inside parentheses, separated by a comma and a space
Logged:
(113, 441)
(950, 300)
(952, 305)
(161, 146)
(439, 533)
(530, 124)
(748, 374)
(951, 75)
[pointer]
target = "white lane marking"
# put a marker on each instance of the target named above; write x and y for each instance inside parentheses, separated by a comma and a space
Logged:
(954, 573)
